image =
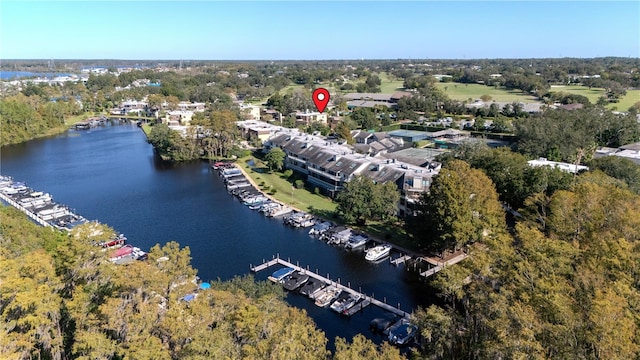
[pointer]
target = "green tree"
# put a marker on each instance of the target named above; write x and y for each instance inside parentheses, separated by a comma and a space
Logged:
(461, 208)
(365, 118)
(361, 199)
(619, 168)
(275, 158)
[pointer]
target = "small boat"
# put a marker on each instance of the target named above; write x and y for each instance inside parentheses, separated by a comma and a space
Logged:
(279, 211)
(320, 228)
(345, 302)
(295, 280)
(279, 275)
(127, 254)
(341, 236)
(326, 296)
(258, 200)
(378, 252)
(402, 333)
(311, 287)
(356, 241)
(351, 302)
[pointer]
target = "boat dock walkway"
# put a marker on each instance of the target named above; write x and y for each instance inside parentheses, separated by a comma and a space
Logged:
(400, 260)
(439, 265)
(367, 300)
(31, 215)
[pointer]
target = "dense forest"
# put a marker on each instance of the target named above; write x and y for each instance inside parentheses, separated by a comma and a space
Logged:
(562, 282)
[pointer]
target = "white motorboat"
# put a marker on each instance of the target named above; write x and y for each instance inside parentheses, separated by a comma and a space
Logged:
(327, 295)
(378, 252)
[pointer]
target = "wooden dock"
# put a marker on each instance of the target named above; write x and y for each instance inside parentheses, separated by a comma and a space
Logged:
(439, 265)
(366, 300)
(400, 260)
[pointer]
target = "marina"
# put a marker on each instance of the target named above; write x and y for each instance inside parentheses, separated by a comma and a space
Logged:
(41, 209)
(366, 300)
(190, 204)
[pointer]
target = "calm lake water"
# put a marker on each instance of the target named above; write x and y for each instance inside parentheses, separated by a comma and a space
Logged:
(110, 174)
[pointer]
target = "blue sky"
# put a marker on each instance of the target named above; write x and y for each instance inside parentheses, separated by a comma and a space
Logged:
(218, 30)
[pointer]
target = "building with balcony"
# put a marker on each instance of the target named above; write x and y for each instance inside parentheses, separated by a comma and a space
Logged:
(328, 165)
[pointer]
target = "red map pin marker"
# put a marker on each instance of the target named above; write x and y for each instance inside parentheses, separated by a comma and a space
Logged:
(321, 98)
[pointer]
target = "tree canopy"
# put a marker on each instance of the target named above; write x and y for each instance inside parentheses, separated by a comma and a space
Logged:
(275, 158)
(460, 208)
(362, 200)
(562, 285)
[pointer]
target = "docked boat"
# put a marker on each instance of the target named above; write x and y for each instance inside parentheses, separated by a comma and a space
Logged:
(279, 211)
(126, 254)
(356, 241)
(320, 228)
(279, 275)
(378, 252)
(341, 236)
(267, 207)
(53, 212)
(257, 200)
(402, 333)
(311, 287)
(35, 199)
(300, 220)
(14, 188)
(345, 303)
(295, 280)
(327, 295)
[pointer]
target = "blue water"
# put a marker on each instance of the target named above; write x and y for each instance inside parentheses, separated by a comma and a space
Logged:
(110, 174)
(10, 75)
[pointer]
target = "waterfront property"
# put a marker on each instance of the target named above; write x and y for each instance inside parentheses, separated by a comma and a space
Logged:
(328, 165)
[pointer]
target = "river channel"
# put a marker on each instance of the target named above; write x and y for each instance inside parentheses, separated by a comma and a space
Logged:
(110, 174)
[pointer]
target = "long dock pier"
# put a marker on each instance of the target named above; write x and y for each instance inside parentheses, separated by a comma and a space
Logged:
(367, 300)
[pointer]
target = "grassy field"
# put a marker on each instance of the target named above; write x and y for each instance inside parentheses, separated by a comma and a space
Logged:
(592, 94)
(632, 97)
(463, 92)
(388, 85)
(299, 198)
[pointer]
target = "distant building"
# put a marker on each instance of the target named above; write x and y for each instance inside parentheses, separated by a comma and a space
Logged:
(308, 117)
(250, 112)
(572, 168)
(178, 117)
(629, 151)
(370, 100)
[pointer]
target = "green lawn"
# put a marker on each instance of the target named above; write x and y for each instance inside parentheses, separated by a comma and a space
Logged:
(299, 198)
(632, 97)
(463, 92)
(388, 85)
(592, 94)
(77, 118)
